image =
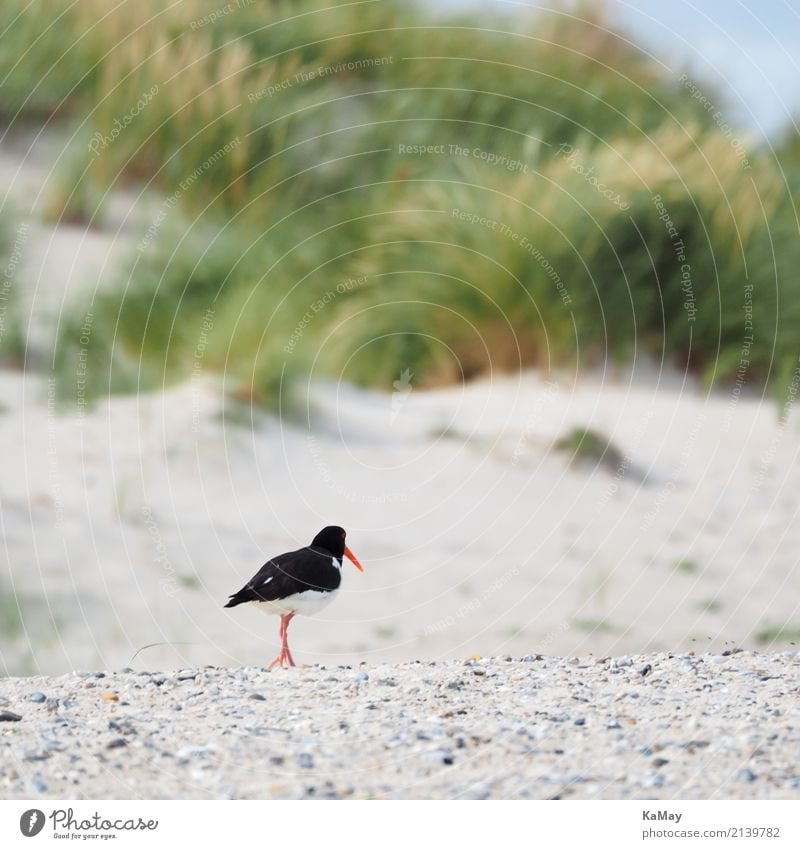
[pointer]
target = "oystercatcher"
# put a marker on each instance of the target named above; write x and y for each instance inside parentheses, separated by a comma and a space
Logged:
(302, 581)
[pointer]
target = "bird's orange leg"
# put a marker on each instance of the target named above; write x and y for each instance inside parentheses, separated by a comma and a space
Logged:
(284, 655)
(289, 617)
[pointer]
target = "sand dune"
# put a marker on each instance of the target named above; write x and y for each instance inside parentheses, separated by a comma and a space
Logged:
(131, 523)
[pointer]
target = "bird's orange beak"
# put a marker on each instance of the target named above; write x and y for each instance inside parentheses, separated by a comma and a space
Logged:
(353, 559)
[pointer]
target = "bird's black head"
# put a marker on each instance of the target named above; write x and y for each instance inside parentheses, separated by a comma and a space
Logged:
(331, 539)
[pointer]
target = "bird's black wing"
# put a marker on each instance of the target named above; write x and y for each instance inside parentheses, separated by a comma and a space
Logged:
(289, 574)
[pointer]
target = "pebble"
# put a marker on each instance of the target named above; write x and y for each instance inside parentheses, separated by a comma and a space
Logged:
(194, 751)
(9, 716)
(407, 737)
(38, 697)
(440, 756)
(36, 785)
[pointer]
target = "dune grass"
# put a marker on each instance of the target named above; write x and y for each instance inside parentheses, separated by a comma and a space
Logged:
(574, 203)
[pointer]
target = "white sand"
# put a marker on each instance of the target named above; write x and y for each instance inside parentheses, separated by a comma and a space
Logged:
(126, 527)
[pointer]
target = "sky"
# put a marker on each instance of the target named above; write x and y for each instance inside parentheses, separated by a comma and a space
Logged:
(749, 48)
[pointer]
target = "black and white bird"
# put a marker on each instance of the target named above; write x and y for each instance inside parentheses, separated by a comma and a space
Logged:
(302, 581)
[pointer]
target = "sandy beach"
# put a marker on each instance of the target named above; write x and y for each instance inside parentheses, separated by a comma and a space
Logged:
(652, 726)
(130, 522)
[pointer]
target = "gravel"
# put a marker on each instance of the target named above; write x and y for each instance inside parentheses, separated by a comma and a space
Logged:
(694, 727)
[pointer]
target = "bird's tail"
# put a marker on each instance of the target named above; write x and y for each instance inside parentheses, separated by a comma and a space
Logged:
(234, 600)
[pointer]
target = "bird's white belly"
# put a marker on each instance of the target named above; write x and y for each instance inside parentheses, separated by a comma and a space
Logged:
(303, 604)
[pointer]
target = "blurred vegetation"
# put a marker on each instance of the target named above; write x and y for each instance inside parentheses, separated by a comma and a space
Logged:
(776, 633)
(588, 444)
(12, 333)
(292, 232)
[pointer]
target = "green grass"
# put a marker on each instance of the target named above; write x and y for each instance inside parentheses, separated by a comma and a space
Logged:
(588, 444)
(273, 201)
(191, 582)
(12, 331)
(10, 616)
(24, 612)
(777, 633)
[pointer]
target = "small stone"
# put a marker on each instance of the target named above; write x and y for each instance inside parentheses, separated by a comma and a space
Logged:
(305, 760)
(117, 743)
(747, 775)
(454, 685)
(122, 726)
(257, 697)
(613, 723)
(38, 697)
(277, 760)
(440, 756)
(645, 670)
(361, 676)
(36, 785)
(107, 696)
(9, 716)
(194, 751)
(659, 762)
(580, 721)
